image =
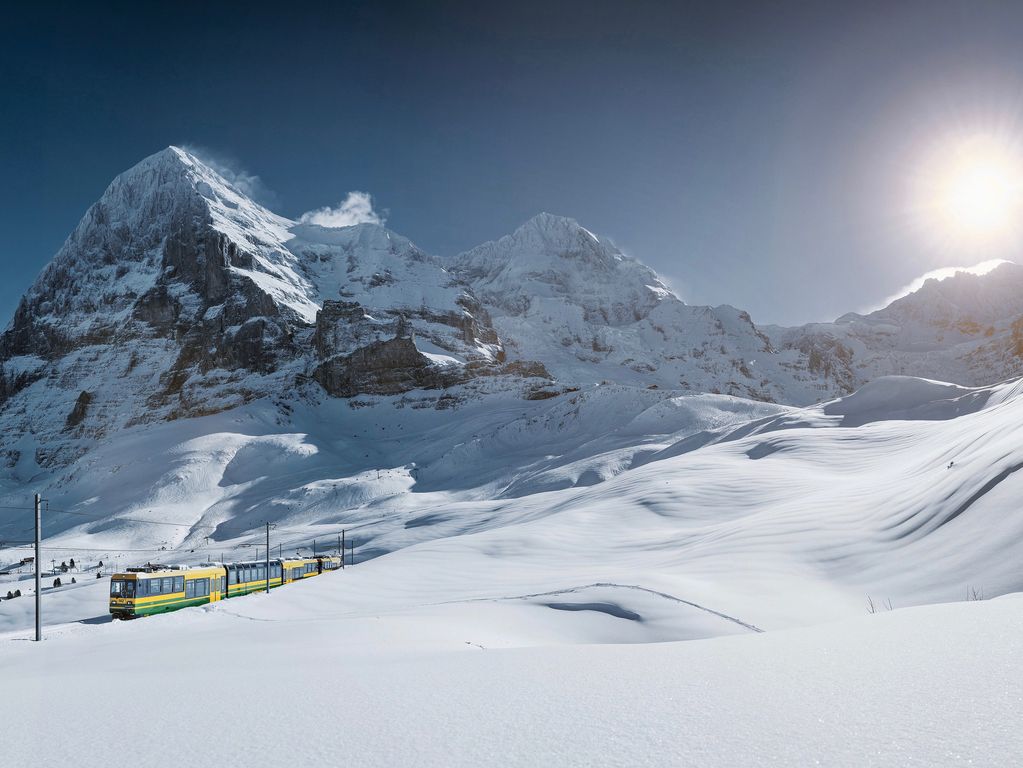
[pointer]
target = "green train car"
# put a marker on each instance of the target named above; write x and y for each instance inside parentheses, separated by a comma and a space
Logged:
(159, 589)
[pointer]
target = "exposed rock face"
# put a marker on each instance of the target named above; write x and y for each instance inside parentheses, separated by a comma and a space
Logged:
(359, 353)
(77, 415)
(384, 368)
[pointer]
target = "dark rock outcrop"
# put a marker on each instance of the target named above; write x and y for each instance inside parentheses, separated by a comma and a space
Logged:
(384, 368)
(78, 413)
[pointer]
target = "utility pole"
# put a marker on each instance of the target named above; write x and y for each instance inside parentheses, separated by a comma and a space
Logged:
(342, 547)
(39, 575)
(268, 557)
(314, 547)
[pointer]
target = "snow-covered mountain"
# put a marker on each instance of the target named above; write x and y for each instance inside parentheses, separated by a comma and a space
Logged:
(564, 296)
(967, 328)
(177, 296)
(192, 355)
(561, 295)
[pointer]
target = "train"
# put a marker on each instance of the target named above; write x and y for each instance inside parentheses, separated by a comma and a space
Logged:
(153, 589)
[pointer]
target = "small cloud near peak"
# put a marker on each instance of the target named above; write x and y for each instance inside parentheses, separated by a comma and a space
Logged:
(357, 208)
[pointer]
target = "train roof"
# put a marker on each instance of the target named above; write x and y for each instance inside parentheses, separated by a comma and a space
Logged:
(165, 569)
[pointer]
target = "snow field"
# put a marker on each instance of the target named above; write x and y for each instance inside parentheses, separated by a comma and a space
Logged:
(439, 685)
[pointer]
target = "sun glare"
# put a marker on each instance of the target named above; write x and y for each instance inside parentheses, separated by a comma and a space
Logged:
(974, 192)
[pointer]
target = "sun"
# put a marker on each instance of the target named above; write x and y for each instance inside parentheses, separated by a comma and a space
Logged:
(973, 188)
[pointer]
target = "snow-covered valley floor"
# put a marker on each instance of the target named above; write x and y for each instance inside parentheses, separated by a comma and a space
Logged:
(661, 581)
(307, 674)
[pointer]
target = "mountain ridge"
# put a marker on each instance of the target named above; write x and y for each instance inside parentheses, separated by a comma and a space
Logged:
(176, 296)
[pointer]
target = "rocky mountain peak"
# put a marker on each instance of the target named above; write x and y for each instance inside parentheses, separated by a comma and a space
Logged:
(979, 297)
(543, 244)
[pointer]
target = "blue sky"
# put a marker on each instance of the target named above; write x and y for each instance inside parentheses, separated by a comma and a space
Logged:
(754, 154)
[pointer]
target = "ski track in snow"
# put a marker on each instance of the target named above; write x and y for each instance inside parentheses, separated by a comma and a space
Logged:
(575, 590)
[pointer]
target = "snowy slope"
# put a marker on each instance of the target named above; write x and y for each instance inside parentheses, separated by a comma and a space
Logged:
(774, 518)
(513, 683)
(558, 628)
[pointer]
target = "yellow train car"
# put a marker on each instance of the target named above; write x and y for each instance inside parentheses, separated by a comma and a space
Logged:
(329, 563)
(243, 578)
(161, 588)
(158, 589)
(300, 568)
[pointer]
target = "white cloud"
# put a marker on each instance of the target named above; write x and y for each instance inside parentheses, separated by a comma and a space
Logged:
(357, 208)
(249, 184)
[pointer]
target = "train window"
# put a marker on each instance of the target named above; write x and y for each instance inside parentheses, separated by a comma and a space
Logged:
(233, 576)
(204, 588)
(190, 588)
(154, 586)
(120, 588)
(179, 583)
